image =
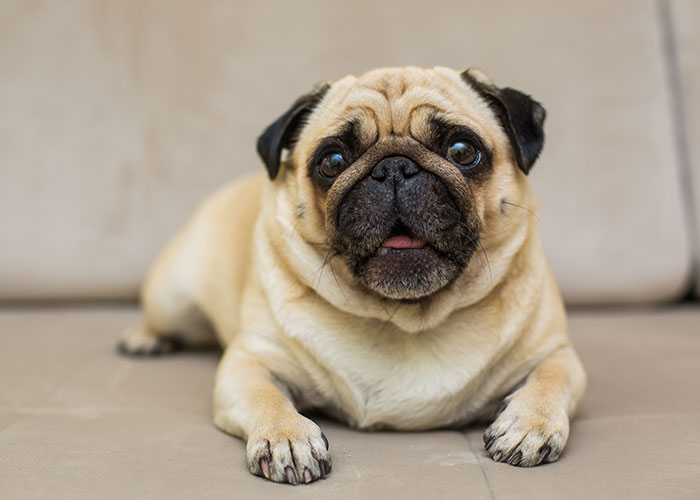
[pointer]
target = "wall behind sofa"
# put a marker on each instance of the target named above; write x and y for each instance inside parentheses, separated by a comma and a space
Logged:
(117, 117)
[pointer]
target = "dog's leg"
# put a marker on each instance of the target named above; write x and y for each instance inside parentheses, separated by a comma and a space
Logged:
(282, 445)
(532, 423)
(171, 317)
(185, 327)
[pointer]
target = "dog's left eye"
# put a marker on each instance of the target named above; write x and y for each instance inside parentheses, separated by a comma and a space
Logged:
(332, 165)
(463, 154)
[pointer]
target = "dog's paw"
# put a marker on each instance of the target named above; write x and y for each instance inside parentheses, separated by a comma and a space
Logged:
(135, 341)
(294, 452)
(526, 434)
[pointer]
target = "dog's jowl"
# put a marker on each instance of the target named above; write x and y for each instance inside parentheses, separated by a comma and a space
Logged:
(386, 269)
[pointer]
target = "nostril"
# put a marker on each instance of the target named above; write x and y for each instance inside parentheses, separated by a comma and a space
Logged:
(409, 169)
(379, 172)
(398, 167)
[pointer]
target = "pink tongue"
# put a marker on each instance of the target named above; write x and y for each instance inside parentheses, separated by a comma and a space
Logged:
(403, 241)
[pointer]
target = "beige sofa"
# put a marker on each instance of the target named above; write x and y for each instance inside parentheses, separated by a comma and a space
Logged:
(116, 117)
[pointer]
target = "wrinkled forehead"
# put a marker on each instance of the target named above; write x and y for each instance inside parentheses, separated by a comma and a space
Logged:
(400, 101)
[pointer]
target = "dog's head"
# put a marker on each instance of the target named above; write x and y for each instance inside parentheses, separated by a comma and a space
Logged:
(402, 171)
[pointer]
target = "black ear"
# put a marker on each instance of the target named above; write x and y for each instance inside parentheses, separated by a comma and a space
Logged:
(521, 116)
(282, 134)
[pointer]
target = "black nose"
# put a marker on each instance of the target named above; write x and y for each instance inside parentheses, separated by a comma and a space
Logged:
(395, 168)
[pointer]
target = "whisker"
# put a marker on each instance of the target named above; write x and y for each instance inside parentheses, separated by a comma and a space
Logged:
(335, 277)
(389, 314)
(506, 202)
(478, 242)
(493, 235)
(320, 271)
(488, 264)
(321, 245)
(482, 251)
(343, 116)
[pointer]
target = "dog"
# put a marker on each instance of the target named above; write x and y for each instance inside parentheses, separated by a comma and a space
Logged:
(388, 273)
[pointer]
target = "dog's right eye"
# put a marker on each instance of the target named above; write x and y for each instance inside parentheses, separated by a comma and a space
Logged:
(464, 154)
(332, 165)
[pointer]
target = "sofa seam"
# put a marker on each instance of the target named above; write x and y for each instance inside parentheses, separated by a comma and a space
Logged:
(669, 53)
(481, 467)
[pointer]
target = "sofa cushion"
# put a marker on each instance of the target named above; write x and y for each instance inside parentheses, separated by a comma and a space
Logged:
(79, 421)
(684, 17)
(119, 116)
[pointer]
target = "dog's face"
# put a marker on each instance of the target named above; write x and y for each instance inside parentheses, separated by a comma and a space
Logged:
(401, 173)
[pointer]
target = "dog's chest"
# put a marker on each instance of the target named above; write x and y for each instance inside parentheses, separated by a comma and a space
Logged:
(408, 382)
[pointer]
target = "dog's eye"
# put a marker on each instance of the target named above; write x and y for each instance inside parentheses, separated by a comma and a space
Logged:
(332, 165)
(464, 154)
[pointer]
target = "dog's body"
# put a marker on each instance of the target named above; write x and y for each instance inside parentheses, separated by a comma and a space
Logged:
(375, 280)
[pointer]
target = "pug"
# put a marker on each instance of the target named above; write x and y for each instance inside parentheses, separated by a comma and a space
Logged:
(388, 273)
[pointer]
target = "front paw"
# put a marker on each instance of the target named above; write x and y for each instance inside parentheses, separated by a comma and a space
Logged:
(527, 433)
(289, 452)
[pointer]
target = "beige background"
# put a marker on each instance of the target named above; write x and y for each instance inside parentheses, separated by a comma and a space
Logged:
(117, 117)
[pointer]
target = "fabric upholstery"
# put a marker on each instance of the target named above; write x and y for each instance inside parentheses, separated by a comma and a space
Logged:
(685, 20)
(117, 117)
(79, 421)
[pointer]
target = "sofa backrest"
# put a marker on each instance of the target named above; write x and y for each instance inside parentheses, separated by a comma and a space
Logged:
(684, 22)
(118, 117)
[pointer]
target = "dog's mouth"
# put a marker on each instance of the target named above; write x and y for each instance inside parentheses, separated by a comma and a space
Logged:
(401, 238)
(406, 266)
(406, 239)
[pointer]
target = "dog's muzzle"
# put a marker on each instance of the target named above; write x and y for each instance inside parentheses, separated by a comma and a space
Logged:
(401, 226)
